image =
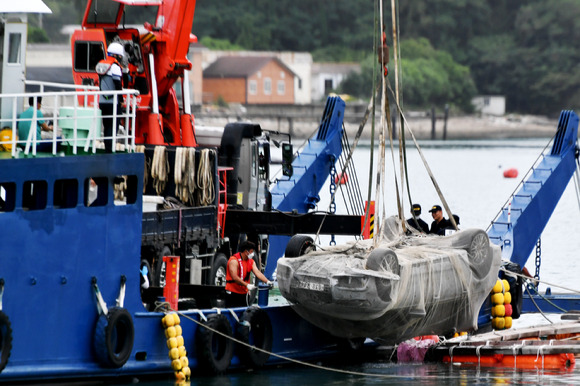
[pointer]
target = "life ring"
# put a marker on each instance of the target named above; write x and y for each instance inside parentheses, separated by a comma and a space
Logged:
(114, 337)
(5, 340)
(254, 329)
(214, 351)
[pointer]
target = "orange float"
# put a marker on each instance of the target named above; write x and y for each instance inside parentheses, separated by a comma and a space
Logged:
(341, 179)
(510, 173)
(548, 361)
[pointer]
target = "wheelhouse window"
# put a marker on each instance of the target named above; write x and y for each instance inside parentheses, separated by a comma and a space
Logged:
(34, 195)
(87, 55)
(103, 12)
(7, 196)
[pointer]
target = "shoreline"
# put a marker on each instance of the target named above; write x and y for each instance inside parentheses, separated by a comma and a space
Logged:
(458, 128)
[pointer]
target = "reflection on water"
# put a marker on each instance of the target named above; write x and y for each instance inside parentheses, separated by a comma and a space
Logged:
(383, 372)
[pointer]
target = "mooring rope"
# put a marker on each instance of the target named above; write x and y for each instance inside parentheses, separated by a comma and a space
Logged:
(165, 308)
(539, 281)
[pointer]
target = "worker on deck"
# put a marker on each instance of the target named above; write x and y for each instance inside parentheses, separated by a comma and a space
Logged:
(25, 123)
(416, 222)
(439, 222)
(238, 286)
(110, 79)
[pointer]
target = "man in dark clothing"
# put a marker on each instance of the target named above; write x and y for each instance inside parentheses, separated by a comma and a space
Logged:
(416, 222)
(110, 79)
(439, 222)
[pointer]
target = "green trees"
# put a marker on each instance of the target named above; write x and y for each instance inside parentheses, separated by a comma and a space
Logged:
(523, 49)
(430, 77)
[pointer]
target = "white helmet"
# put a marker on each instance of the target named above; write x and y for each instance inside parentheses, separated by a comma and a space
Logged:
(115, 49)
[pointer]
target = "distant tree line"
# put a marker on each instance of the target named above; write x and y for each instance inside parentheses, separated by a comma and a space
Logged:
(450, 49)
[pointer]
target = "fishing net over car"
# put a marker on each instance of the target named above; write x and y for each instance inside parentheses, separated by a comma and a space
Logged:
(404, 287)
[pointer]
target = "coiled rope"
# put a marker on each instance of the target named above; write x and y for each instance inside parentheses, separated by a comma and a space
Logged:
(205, 183)
(159, 168)
(184, 174)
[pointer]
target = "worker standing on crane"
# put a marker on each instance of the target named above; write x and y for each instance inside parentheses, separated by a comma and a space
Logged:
(110, 79)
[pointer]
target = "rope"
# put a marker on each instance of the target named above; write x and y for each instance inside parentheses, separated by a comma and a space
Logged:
(120, 188)
(164, 307)
(349, 158)
(184, 174)
(540, 281)
(536, 305)
(206, 192)
(159, 168)
(427, 168)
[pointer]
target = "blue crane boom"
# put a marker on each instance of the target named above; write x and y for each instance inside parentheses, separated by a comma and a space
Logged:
(539, 192)
(311, 168)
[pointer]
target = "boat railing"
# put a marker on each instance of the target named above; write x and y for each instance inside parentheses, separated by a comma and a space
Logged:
(75, 116)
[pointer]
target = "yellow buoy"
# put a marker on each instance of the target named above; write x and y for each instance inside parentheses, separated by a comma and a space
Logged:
(499, 323)
(174, 353)
(508, 322)
(180, 341)
(179, 376)
(507, 298)
(170, 332)
(184, 362)
(506, 285)
(497, 298)
(178, 330)
(187, 371)
(172, 343)
(168, 320)
(182, 351)
(176, 319)
(176, 365)
(497, 287)
(499, 310)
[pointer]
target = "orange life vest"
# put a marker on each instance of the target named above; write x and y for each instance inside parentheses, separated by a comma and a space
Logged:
(244, 270)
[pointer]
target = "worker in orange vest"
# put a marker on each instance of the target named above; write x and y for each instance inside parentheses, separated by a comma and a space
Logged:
(238, 286)
(110, 79)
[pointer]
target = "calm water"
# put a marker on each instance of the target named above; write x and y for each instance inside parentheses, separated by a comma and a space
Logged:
(470, 175)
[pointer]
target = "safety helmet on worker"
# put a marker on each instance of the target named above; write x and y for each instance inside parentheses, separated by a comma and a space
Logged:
(115, 49)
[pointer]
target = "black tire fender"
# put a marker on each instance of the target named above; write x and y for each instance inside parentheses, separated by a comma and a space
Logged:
(214, 351)
(299, 245)
(114, 337)
(254, 329)
(5, 340)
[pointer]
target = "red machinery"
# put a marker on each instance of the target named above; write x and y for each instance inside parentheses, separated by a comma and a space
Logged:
(155, 56)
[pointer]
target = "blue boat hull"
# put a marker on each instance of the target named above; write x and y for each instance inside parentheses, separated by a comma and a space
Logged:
(58, 245)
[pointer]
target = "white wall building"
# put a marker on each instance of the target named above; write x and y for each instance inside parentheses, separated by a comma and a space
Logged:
(489, 104)
(327, 76)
